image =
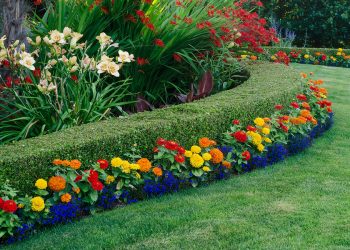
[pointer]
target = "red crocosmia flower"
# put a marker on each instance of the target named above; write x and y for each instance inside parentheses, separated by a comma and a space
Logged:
(9, 206)
(171, 145)
(17, 81)
(74, 78)
(37, 72)
(246, 155)
(278, 107)
(155, 150)
(251, 128)
(148, 1)
(150, 26)
(27, 79)
(179, 158)
(130, 18)
(6, 63)
(161, 142)
(8, 81)
(260, 4)
(188, 20)
(78, 178)
(97, 185)
(159, 43)
(140, 13)
(323, 57)
(177, 57)
(240, 136)
(200, 26)
(1, 202)
(236, 122)
(105, 10)
(294, 105)
(37, 2)
(103, 164)
(172, 22)
(142, 61)
(302, 97)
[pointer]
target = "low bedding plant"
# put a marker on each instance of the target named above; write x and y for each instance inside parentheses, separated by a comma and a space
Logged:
(303, 56)
(71, 192)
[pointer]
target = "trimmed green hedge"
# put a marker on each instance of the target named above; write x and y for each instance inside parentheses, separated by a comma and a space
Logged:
(24, 161)
(311, 51)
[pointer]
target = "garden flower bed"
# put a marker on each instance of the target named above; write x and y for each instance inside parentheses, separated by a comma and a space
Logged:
(70, 192)
(316, 56)
(268, 84)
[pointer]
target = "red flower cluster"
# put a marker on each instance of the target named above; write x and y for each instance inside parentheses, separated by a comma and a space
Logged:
(103, 164)
(172, 146)
(240, 136)
(93, 180)
(8, 206)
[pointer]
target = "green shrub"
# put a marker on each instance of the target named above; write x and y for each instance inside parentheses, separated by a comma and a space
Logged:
(24, 161)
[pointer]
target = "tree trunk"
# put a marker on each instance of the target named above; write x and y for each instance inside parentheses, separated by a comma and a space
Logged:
(14, 12)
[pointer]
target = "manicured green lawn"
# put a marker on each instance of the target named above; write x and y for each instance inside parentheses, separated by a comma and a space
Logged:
(303, 203)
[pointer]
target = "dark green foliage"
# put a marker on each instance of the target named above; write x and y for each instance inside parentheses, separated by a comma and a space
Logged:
(24, 161)
(317, 23)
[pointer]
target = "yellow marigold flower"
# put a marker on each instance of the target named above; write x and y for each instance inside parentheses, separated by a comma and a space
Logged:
(216, 156)
(157, 171)
(41, 184)
(267, 140)
(206, 169)
(206, 156)
(338, 53)
(125, 167)
(135, 166)
(145, 165)
(196, 149)
(188, 153)
(261, 147)
(244, 56)
(116, 162)
(20, 205)
(38, 204)
(110, 179)
(76, 190)
(274, 58)
(66, 198)
(57, 183)
(196, 161)
(75, 164)
(256, 138)
(306, 56)
(340, 50)
(137, 175)
(259, 121)
(266, 131)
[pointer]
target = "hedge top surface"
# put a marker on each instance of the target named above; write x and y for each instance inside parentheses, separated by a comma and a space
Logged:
(266, 79)
(30, 159)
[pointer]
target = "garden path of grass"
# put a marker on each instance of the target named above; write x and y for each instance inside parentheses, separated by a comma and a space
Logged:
(302, 203)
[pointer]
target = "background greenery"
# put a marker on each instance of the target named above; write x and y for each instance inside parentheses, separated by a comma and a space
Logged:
(317, 23)
(30, 159)
(302, 203)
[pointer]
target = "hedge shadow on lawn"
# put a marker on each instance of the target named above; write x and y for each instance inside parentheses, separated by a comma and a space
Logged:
(25, 161)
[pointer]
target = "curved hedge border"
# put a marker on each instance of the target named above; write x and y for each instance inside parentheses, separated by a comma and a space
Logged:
(30, 159)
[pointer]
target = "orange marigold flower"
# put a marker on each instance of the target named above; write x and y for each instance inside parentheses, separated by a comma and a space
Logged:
(266, 119)
(65, 198)
(305, 113)
(206, 142)
(314, 121)
(216, 155)
(294, 121)
(75, 164)
(303, 75)
(157, 171)
(57, 162)
(227, 164)
(323, 91)
(145, 165)
(76, 190)
(319, 82)
(65, 163)
(302, 119)
(57, 183)
(305, 105)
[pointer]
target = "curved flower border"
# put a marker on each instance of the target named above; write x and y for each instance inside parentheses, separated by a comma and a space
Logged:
(72, 192)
